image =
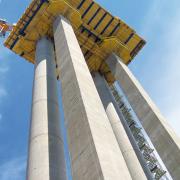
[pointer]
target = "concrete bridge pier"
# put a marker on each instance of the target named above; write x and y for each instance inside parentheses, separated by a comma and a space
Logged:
(164, 139)
(133, 164)
(46, 153)
(94, 151)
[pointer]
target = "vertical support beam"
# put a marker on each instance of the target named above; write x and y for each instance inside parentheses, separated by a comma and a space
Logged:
(46, 153)
(126, 148)
(93, 147)
(166, 142)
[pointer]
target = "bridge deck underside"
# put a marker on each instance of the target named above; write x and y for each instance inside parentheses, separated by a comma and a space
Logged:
(98, 32)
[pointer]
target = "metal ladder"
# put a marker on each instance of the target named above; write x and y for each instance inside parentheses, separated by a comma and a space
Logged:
(144, 147)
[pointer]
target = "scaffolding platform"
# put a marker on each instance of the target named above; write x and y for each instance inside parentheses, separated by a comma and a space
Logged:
(98, 32)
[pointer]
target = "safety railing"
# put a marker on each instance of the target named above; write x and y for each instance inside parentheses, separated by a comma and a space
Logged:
(147, 151)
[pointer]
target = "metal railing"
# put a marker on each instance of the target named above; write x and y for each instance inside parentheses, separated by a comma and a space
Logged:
(147, 151)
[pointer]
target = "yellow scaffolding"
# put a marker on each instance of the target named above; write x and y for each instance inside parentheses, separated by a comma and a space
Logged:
(98, 32)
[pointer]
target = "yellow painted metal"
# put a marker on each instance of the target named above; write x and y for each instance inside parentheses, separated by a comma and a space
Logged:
(98, 32)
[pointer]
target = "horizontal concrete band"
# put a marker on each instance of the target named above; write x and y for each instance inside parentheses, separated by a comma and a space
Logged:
(50, 135)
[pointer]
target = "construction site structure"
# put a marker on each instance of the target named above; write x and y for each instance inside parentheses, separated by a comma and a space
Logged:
(5, 27)
(87, 49)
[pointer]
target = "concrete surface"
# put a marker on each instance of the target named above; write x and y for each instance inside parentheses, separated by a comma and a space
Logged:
(166, 142)
(126, 148)
(46, 153)
(94, 151)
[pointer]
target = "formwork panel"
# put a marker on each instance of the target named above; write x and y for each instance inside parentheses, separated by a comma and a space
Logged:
(99, 32)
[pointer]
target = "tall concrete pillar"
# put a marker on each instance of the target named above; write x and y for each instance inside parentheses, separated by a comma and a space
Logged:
(166, 142)
(46, 154)
(126, 148)
(94, 151)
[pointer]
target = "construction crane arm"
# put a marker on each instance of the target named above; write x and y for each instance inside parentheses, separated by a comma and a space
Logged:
(5, 27)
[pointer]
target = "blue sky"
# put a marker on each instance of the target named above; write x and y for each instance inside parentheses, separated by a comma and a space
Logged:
(156, 67)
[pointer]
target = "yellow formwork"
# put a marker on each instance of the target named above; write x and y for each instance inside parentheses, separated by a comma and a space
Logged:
(98, 32)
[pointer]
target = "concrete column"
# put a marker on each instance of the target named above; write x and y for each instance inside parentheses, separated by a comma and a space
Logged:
(94, 151)
(126, 148)
(166, 142)
(46, 154)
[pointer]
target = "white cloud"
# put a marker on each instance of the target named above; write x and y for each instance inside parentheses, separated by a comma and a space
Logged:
(0, 117)
(0, 120)
(3, 70)
(2, 92)
(161, 74)
(13, 169)
(4, 52)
